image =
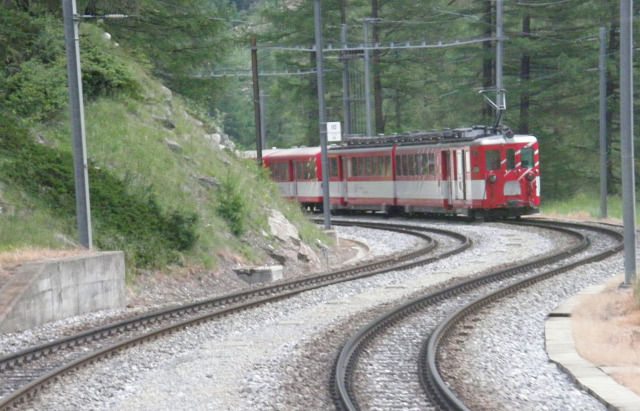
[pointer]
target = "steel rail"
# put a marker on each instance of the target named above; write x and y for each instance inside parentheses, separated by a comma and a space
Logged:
(247, 299)
(341, 383)
(430, 378)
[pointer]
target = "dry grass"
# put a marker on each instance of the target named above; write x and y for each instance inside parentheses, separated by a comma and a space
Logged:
(606, 330)
(10, 259)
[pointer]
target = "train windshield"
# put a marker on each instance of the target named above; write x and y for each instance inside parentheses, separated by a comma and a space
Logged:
(526, 157)
(492, 158)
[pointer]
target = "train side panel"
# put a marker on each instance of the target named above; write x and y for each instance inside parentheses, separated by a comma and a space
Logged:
(367, 180)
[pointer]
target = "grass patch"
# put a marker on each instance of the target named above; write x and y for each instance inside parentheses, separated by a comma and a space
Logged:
(584, 205)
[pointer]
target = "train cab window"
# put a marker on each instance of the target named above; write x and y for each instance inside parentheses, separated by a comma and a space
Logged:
(492, 158)
(311, 170)
(526, 157)
(511, 159)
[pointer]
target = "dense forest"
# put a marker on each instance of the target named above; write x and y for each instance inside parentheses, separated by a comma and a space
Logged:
(201, 50)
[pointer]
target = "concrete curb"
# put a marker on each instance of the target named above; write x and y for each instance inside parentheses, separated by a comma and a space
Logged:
(592, 378)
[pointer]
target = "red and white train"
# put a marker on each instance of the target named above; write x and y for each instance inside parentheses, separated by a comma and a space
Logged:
(483, 172)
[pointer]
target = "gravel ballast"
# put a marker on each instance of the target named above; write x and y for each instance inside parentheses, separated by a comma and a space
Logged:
(276, 357)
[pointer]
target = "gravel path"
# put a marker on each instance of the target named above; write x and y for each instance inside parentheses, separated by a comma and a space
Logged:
(277, 357)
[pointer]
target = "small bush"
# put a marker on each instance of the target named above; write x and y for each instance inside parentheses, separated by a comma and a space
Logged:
(231, 205)
(132, 222)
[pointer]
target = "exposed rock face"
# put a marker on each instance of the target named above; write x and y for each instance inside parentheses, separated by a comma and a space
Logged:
(209, 183)
(287, 235)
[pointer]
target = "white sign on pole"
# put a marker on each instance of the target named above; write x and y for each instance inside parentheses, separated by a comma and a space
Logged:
(334, 131)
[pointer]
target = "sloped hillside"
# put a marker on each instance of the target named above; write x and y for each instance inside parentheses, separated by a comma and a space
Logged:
(166, 185)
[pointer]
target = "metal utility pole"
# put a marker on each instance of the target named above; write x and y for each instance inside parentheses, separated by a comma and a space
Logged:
(603, 122)
(263, 118)
(326, 206)
(256, 100)
(500, 99)
(346, 95)
(367, 76)
(80, 167)
(626, 140)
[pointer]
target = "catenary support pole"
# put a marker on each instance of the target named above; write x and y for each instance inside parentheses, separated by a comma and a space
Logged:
(80, 167)
(322, 118)
(603, 122)
(346, 95)
(626, 140)
(256, 100)
(367, 78)
(499, 32)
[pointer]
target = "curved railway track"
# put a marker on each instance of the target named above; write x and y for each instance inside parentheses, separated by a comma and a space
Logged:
(363, 343)
(24, 373)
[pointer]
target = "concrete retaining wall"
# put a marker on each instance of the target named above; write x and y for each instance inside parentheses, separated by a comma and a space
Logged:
(44, 291)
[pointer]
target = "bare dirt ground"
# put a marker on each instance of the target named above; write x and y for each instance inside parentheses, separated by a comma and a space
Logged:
(606, 330)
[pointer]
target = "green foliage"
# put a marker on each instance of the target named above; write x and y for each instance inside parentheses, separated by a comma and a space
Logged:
(34, 81)
(124, 220)
(231, 205)
(104, 71)
(587, 201)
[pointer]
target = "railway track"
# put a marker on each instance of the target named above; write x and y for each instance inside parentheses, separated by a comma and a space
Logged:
(405, 340)
(23, 374)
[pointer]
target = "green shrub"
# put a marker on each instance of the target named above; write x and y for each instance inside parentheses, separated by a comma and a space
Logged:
(231, 205)
(38, 91)
(104, 72)
(123, 220)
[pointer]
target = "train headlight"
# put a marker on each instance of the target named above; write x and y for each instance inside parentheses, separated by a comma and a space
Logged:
(531, 177)
(493, 178)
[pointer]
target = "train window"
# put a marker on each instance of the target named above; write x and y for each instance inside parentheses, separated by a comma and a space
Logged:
(405, 165)
(511, 159)
(354, 167)
(374, 166)
(425, 165)
(492, 158)
(387, 166)
(333, 167)
(399, 165)
(526, 157)
(432, 164)
(311, 170)
(276, 169)
(367, 166)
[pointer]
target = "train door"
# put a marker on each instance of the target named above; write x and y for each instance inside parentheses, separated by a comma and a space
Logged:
(346, 172)
(462, 165)
(297, 167)
(447, 183)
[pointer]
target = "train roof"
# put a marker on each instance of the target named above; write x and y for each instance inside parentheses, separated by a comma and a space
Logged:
(299, 152)
(476, 135)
